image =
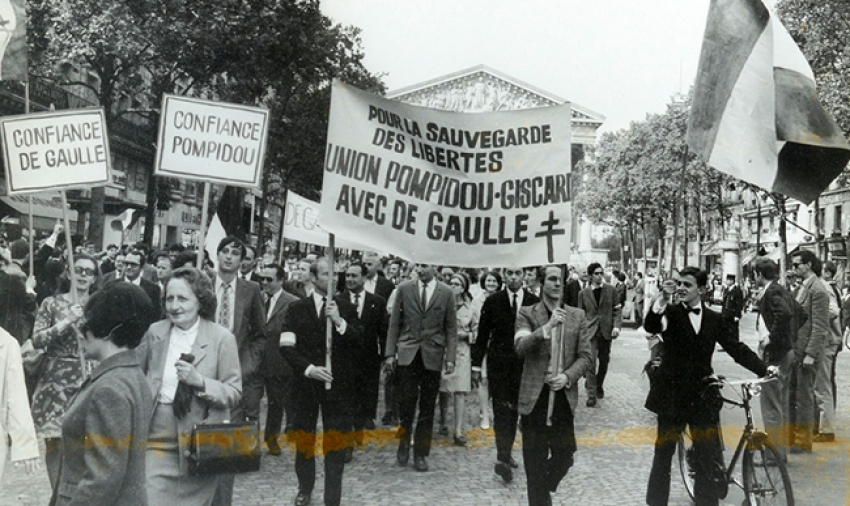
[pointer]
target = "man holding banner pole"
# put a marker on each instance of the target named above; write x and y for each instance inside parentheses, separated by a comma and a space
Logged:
(548, 449)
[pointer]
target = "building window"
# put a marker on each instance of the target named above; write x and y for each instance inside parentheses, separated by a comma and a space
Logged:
(836, 219)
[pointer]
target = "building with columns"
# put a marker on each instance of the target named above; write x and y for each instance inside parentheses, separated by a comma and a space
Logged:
(483, 89)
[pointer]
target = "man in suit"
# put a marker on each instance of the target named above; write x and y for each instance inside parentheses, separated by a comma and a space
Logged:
(372, 313)
(572, 290)
(107, 265)
(603, 310)
(548, 449)
(814, 351)
(299, 283)
(640, 287)
(422, 334)
(733, 303)
(248, 265)
(134, 261)
(163, 264)
(375, 282)
(779, 319)
(276, 371)
(504, 367)
(240, 310)
(690, 333)
(303, 344)
(532, 286)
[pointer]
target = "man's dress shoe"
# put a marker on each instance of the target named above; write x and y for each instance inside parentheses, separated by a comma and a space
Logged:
(419, 464)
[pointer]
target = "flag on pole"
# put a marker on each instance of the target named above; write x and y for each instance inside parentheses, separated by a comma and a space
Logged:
(13, 40)
(214, 236)
(755, 113)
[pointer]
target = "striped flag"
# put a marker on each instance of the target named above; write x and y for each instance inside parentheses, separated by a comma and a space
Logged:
(755, 113)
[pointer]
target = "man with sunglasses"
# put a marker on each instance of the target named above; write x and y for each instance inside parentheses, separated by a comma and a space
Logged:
(134, 261)
(277, 373)
(603, 309)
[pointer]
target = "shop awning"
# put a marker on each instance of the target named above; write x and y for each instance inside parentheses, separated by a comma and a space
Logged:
(712, 249)
(45, 211)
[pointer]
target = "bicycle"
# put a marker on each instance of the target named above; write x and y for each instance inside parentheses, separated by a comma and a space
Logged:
(765, 475)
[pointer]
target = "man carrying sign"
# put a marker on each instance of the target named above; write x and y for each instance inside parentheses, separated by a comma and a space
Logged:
(303, 344)
(548, 448)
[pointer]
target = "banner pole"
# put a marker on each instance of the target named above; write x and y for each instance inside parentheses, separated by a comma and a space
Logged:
(202, 233)
(330, 294)
(29, 197)
(73, 276)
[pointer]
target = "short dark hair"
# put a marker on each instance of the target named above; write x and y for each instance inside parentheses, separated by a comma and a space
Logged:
(482, 280)
(200, 285)
(767, 268)
(830, 268)
(111, 245)
(592, 268)
(141, 255)
(186, 257)
(98, 276)
(361, 265)
(698, 274)
(253, 250)
(161, 254)
(120, 312)
(809, 257)
(227, 241)
(279, 271)
(176, 247)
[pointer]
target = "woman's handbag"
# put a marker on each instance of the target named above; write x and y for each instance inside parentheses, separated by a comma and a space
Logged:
(225, 448)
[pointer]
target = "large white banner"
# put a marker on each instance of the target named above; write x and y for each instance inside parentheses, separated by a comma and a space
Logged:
(210, 141)
(55, 150)
(301, 223)
(438, 187)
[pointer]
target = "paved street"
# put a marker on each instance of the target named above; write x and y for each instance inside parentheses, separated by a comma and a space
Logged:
(612, 464)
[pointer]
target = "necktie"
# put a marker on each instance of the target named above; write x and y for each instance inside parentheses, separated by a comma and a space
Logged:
(224, 308)
(694, 310)
(513, 304)
(424, 295)
(323, 308)
(357, 303)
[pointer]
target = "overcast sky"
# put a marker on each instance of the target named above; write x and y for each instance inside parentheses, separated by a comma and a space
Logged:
(620, 58)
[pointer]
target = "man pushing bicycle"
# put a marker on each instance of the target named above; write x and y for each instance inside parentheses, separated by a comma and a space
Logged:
(689, 332)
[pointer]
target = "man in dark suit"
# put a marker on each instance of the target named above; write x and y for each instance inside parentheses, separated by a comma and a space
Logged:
(375, 282)
(549, 437)
(248, 265)
(303, 344)
(372, 313)
(603, 309)
(504, 367)
(422, 337)
(571, 291)
(134, 261)
(780, 316)
(275, 370)
(690, 333)
(733, 303)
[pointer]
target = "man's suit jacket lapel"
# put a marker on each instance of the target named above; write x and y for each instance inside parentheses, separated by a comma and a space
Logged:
(158, 351)
(278, 306)
(438, 292)
(242, 294)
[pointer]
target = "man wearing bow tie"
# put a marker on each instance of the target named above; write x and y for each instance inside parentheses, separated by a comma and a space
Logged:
(689, 333)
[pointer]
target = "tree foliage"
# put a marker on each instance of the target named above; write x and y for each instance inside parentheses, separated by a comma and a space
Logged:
(279, 54)
(642, 175)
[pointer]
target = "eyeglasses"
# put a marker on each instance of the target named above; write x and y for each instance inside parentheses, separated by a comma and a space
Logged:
(266, 279)
(132, 264)
(84, 271)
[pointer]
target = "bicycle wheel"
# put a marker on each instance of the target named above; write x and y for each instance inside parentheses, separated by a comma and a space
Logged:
(684, 449)
(766, 480)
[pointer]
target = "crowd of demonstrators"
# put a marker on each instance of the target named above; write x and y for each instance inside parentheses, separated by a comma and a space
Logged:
(242, 328)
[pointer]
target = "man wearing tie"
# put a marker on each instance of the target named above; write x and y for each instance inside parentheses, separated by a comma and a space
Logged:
(422, 333)
(303, 343)
(372, 312)
(504, 367)
(276, 371)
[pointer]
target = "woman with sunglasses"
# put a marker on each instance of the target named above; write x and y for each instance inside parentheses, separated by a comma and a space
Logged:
(459, 382)
(55, 331)
(105, 428)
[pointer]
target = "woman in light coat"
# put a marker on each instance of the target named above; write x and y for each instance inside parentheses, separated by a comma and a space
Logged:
(212, 377)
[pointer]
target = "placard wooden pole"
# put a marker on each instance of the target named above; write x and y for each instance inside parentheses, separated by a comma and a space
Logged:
(29, 197)
(73, 276)
(329, 333)
(202, 233)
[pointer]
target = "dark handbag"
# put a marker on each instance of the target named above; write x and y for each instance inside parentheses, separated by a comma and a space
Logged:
(225, 448)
